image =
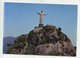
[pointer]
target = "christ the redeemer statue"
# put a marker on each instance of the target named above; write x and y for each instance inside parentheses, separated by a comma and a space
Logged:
(42, 14)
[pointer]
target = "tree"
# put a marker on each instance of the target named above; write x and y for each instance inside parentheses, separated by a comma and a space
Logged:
(8, 45)
(59, 29)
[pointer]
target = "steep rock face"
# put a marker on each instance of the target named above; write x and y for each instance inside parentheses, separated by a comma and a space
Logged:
(65, 49)
(45, 48)
(46, 40)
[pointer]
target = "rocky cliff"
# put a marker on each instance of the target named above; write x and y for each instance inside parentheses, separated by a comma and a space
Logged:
(47, 40)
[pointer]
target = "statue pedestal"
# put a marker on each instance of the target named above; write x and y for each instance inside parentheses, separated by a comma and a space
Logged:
(40, 25)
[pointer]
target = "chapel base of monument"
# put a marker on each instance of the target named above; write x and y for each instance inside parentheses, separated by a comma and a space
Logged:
(40, 25)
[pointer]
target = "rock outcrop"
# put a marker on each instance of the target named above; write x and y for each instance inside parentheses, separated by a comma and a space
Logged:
(46, 40)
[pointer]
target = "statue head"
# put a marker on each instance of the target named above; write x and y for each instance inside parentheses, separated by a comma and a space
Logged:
(41, 11)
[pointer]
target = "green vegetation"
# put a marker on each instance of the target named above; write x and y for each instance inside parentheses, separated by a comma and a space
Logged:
(27, 43)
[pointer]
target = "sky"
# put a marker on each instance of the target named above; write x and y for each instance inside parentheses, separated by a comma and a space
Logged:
(21, 18)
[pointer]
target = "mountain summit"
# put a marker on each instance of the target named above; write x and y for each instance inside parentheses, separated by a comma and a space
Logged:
(46, 40)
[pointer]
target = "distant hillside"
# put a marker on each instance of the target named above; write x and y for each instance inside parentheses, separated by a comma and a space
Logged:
(46, 40)
(7, 40)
